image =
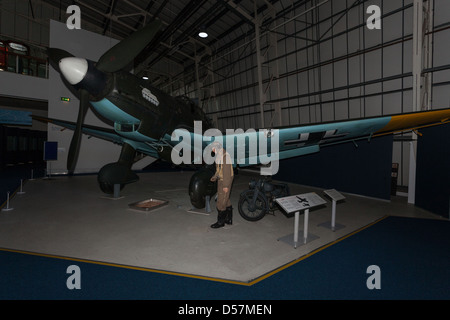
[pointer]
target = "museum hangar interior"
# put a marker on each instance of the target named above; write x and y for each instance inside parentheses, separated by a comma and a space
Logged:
(250, 65)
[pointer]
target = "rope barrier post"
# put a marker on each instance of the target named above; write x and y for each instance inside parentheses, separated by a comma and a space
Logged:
(21, 187)
(7, 203)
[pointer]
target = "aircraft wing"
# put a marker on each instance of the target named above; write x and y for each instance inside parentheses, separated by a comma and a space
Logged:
(252, 147)
(259, 147)
(103, 133)
(312, 137)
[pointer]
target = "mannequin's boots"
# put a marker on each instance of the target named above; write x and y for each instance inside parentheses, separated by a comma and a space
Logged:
(229, 215)
(220, 220)
(224, 217)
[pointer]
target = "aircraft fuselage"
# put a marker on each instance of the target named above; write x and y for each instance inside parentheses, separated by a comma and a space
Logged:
(142, 112)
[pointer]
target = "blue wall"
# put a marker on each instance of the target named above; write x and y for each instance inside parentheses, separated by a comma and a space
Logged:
(363, 170)
(433, 170)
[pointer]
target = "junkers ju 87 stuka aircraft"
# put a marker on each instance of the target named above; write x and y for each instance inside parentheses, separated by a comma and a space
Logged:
(145, 119)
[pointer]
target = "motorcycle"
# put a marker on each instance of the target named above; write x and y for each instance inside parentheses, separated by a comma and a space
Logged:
(256, 202)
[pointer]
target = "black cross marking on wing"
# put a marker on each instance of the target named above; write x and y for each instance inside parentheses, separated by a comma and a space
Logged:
(313, 138)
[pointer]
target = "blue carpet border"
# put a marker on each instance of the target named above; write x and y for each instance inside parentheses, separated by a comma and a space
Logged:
(412, 254)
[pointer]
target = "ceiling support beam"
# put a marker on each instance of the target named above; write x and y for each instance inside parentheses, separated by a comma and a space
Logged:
(422, 54)
(422, 82)
(241, 12)
(262, 96)
(277, 119)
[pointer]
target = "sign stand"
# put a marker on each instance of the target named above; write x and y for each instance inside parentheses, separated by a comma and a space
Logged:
(297, 203)
(335, 197)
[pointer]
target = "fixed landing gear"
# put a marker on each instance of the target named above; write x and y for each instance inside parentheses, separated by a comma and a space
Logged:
(118, 173)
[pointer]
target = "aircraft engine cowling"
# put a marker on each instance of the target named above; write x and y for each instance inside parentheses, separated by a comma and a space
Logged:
(115, 173)
(200, 186)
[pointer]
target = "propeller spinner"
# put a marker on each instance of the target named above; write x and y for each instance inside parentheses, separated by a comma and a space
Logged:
(73, 69)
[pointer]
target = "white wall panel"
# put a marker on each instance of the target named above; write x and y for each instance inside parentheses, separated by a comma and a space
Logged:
(304, 115)
(340, 73)
(392, 60)
(373, 106)
(94, 153)
(442, 47)
(355, 71)
(326, 52)
(392, 27)
(392, 103)
(372, 67)
(355, 107)
(392, 85)
(327, 112)
(326, 77)
(441, 12)
(341, 110)
(441, 97)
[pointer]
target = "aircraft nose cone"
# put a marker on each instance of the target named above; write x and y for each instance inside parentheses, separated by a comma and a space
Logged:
(73, 69)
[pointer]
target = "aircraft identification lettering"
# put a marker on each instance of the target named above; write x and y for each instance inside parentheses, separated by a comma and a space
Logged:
(148, 95)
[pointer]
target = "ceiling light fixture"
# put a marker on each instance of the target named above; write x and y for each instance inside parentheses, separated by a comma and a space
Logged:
(202, 33)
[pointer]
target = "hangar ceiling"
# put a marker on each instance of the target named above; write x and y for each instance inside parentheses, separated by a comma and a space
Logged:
(226, 21)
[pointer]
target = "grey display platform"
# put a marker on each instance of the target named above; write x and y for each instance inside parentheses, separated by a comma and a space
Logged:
(70, 217)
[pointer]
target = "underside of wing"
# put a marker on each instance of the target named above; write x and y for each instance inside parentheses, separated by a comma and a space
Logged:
(104, 134)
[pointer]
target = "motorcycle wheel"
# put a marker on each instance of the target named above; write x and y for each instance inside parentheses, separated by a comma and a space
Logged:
(250, 211)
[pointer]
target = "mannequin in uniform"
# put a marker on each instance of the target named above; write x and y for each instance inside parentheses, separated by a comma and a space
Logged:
(224, 177)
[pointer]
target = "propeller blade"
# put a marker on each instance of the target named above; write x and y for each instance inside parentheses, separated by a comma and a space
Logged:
(76, 139)
(126, 50)
(55, 55)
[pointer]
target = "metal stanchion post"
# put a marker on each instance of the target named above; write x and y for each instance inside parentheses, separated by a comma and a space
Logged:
(21, 187)
(7, 204)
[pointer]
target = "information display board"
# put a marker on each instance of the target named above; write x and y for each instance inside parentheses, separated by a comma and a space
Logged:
(335, 197)
(296, 204)
(50, 150)
(300, 202)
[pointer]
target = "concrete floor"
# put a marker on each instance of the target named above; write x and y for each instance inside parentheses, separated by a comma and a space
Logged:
(70, 217)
